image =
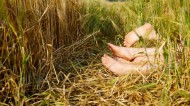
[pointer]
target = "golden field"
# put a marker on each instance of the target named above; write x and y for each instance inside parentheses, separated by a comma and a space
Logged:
(50, 52)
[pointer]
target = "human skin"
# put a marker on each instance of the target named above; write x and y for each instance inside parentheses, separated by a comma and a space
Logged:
(128, 60)
(123, 68)
(146, 32)
(134, 60)
(131, 53)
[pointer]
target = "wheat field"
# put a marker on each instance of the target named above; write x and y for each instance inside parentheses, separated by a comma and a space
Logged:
(50, 52)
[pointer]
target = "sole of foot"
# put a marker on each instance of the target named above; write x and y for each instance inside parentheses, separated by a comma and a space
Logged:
(114, 66)
(121, 68)
(122, 52)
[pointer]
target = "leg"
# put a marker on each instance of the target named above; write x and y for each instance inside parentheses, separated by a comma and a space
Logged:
(146, 31)
(154, 59)
(138, 60)
(119, 68)
(131, 53)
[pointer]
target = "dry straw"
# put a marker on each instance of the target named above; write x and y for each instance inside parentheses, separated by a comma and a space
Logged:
(50, 52)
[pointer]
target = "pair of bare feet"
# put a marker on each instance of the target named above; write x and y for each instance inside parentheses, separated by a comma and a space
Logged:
(132, 60)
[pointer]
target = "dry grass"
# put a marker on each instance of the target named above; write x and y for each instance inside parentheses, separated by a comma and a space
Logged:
(50, 52)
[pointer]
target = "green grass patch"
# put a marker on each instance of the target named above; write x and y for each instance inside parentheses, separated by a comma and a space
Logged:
(50, 52)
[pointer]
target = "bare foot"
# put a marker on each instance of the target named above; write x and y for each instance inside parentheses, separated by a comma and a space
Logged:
(114, 66)
(121, 60)
(146, 31)
(119, 68)
(151, 59)
(122, 52)
(130, 53)
(137, 60)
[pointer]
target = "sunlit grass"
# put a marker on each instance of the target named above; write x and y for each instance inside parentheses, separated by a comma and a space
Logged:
(50, 52)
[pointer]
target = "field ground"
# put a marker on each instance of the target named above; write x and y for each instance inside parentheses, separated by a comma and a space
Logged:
(50, 52)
